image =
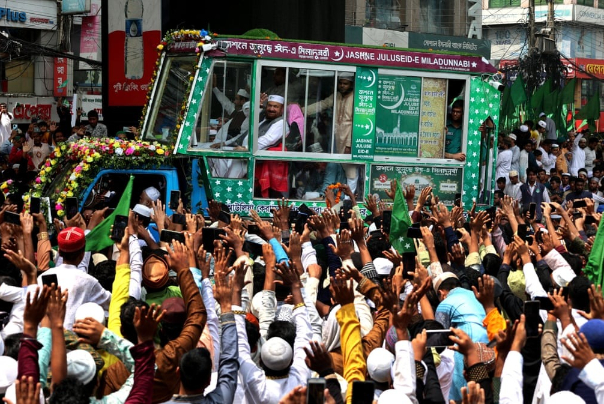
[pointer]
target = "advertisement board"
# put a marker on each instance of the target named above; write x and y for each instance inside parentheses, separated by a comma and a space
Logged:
(363, 127)
(434, 113)
(134, 28)
(445, 181)
(29, 14)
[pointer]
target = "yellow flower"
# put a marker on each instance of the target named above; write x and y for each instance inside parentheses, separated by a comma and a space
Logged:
(4, 185)
(25, 198)
(60, 213)
(89, 159)
(160, 47)
(96, 155)
(159, 151)
(53, 162)
(63, 147)
(86, 167)
(69, 194)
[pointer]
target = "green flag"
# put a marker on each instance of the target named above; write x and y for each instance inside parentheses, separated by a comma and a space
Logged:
(400, 223)
(568, 93)
(550, 103)
(591, 110)
(594, 270)
(518, 92)
(98, 238)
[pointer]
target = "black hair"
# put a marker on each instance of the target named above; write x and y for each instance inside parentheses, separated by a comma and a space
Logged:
(555, 178)
(575, 262)
(541, 170)
(579, 179)
(282, 329)
(104, 272)
(376, 247)
(538, 153)
(458, 104)
(491, 263)
(169, 332)
(499, 193)
(501, 179)
(12, 343)
(450, 284)
(71, 256)
(93, 114)
(577, 292)
(472, 276)
(127, 318)
(69, 391)
(195, 369)
(253, 334)
(531, 170)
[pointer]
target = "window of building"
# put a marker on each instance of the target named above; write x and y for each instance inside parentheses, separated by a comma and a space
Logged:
(436, 17)
(544, 2)
(19, 76)
(224, 119)
(589, 3)
(503, 3)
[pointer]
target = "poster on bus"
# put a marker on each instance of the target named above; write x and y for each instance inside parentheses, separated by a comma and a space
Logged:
(434, 112)
(397, 116)
(363, 121)
(446, 182)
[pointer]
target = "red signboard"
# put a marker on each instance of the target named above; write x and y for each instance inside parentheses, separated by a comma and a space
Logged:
(588, 68)
(61, 70)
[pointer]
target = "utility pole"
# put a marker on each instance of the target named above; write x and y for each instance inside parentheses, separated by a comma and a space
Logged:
(550, 20)
(531, 16)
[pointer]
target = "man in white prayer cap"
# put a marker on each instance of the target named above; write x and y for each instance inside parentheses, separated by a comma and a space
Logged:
(149, 196)
(270, 130)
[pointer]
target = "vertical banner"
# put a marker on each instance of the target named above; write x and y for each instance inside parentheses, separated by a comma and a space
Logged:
(63, 75)
(434, 114)
(134, 33)
(363, 122)
(397, 116)
(90, 39)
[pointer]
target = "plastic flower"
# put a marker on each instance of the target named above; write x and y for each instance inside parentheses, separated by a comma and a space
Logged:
(160, 47)
(38, 180)
(58, 207)
(160, 151)
(119, 151)
(60, 213)
(78, 169)
(129, 151)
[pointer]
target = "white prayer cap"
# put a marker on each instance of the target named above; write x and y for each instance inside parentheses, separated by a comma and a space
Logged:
(98, 258)
(565, 397)
(9, 372)
(524, 128)
(542, 114)
(81, 365)
(90, 310)
(379, 363)
(276, 98)
(346, 76)
(563, 275)
(512, 136)
(243, 93)
(566, 174)
(276, 354)
(555, 146)
(383, 266)
(513, 173)
(142, 210)
(152, 193)
(392, 396)
(441, 278)
(542, 124)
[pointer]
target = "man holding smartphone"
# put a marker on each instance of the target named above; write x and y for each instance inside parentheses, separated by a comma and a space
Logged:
(6, 119)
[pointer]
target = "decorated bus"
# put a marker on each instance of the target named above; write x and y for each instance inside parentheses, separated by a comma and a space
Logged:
(248, 120)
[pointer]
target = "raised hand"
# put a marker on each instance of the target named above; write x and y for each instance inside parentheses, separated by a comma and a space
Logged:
(486, 292)
(146, 320)
(596, 303)
(345, 247)
(580, 350)
(35, 308)
(57, 306)
(343, 290)
(318, 358)
(289, 276)
(89, 330)
(223, 290)
(27, 391)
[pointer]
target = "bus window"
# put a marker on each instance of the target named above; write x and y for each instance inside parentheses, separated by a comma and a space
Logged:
(304, 180)
(172, 86)
(317, 113)
(228, 167)
(223, 123)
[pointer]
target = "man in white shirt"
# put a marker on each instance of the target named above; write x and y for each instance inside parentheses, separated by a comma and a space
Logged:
(270, 130)
(6, 119)
(548, 159)
(82, 287)
(578, 159)
(591, 160)
(512, 188)
(504, 158)
(515, 152)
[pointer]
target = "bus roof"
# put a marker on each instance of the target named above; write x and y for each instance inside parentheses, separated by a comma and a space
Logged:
(307, 51)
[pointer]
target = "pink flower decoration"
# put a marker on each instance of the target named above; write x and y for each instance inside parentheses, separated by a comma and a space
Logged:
(78, 169)
(58, 206)
(38, 180)
(129, 150)
(9, 182)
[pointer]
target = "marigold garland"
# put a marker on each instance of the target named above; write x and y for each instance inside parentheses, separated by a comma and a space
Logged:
(338, 193)
(92, 155)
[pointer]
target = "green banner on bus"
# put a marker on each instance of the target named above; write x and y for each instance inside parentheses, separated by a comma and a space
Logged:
(445, 181)
(397, 116)
(363, 122)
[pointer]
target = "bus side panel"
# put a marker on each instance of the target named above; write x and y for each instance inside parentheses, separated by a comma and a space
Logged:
(199, 197)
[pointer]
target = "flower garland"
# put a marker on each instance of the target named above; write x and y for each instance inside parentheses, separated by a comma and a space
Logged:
(337, 186)
(8, 187)
(183, 35)
(92, 155)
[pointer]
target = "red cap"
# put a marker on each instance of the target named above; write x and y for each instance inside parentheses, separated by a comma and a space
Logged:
(71, 239)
